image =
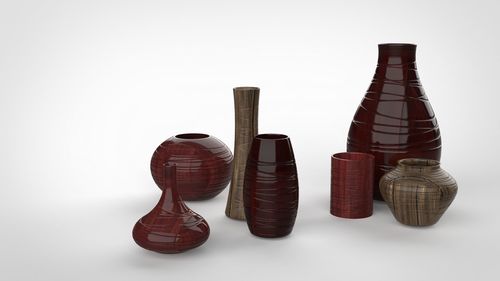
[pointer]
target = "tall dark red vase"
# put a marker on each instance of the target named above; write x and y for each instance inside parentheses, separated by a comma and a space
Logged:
(271, 187)
(171, 227)
(395, 119)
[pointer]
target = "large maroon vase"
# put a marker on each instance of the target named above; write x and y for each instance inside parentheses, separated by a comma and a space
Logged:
(271, 187)
(395, 119)
(171, 227)
(203, 165)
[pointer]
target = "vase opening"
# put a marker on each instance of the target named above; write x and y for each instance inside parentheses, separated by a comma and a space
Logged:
(418, 163)
(246, 89)
(396, 53)
(192, 136)
(271, 137)
(353, 156)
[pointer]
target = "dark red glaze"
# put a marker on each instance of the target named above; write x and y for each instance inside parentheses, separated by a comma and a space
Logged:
(171, 227)
(271, 187)
(352, 185)
(203, 165)
(395, 119)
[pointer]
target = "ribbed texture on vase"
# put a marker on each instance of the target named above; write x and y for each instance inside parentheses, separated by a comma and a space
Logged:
(418, 191)
(395, 119)
(203, 162)
(271, 190)
(352, 185)
(246, 107)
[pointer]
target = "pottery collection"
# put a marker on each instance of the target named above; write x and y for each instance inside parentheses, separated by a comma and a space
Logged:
(393, 153)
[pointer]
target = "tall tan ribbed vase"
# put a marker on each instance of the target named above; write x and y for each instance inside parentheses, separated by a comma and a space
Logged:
(246, 106)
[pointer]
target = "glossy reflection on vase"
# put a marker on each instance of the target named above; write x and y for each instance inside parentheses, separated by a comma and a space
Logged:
(246, 106)
(395, 119)
(203, 165)
(418, 191)
(271, 188)
(171, 227)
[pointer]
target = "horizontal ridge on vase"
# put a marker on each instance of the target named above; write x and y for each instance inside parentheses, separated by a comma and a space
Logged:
(395, 119)
(418, 191)
(171, 227)
(203, 163)
(271, 187)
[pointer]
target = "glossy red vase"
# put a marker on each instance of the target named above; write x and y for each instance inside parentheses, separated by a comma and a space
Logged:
(271, 187)
(203, 165)
(171, 227)
(395, 119)
(352, 185)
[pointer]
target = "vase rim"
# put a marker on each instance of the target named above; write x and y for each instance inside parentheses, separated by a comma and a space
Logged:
(246, 88)
(419, 163)
(352, 156)
(397, 45)
(191, 136)
(271, 137)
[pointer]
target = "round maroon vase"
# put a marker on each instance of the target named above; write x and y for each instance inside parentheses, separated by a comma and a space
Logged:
(395, 119)
(203, 165)
(171, 227)
(271, 187)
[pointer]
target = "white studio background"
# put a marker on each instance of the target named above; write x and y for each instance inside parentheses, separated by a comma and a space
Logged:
(88, 90)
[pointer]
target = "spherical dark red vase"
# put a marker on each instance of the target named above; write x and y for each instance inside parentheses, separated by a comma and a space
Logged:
(203, 165)
(271, 187)
(171, 227)
(395, 119)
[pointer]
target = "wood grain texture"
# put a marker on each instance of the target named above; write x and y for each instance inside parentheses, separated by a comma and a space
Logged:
(246, 105)
(352, 185)
(418, 191)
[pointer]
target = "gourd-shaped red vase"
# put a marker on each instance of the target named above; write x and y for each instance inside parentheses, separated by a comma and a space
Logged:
(171, 227)
(395, 119)
(271, 187)
(204, 165)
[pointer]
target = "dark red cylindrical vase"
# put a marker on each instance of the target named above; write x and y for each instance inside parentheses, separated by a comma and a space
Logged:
(203, 165)
(171, 227)
(352, 185)
(395, 119)
(271, 187)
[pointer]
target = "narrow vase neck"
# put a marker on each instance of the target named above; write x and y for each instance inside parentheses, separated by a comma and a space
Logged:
(171, 200)
(396, 54)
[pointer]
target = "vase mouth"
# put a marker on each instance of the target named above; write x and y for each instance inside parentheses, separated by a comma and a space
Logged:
(397, 45)
(419, 164)
(191, 136)
(353, 156)
(271, 137)
(245, 89)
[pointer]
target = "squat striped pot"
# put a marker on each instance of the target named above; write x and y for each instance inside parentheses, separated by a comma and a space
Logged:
(418, 191)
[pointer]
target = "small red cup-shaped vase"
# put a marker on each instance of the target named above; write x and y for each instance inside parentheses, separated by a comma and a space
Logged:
(203, 165)
(271, 187)
(352, 185)
(171, 227)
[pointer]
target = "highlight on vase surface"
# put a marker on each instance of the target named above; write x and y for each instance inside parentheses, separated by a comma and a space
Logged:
(271, 187)
(203, 164)
(171, 227)
(352, 185)
(418, 191)
(395, 119)
(246, 107)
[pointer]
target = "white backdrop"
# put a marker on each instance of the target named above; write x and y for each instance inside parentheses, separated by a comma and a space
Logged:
(88, 89)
